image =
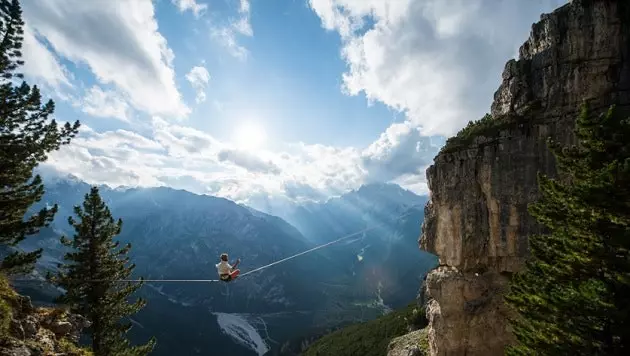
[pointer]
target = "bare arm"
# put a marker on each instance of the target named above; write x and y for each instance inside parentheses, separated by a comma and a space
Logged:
(238, 260)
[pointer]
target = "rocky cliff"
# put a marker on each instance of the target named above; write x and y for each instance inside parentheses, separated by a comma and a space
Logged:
(483, 179)
(26, 330)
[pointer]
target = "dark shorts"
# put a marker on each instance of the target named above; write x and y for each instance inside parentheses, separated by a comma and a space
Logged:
(226, 277)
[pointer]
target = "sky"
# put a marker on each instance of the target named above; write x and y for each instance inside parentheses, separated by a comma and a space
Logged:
(252, 100)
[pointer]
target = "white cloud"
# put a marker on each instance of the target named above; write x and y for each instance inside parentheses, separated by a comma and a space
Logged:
(191, 159)
(227, 38)
(438, 61)
(186, 158)
(226, 35)
(192, 5)
(104, 103)
(400, 150)
(243, 25)
(182, 141)
(248, 161)
(41, 64)
(198, 78)
(119, 41)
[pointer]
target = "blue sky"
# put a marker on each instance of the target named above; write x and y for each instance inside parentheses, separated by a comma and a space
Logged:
(268, 99)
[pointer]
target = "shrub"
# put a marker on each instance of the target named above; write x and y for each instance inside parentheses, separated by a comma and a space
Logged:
(486, 126)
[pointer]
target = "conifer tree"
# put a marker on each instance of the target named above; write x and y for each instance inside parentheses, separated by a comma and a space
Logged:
(27, 134)
(91, 277)
(574, 296)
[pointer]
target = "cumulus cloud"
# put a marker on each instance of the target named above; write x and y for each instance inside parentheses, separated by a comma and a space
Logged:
(44, 65)
(198, 78)
(109, 158)
(192, 5)
(183, 141)
(400, 150)
(248, 161)
(186, 158)
(438, 61)
(104, 103)
(119, 41)
(180, 156)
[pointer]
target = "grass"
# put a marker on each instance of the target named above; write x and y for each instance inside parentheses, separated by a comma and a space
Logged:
(7, 296)
(489, 126)
(486, 126)
(419, 338)
(369, 338)
(424, 340)
(70, 349)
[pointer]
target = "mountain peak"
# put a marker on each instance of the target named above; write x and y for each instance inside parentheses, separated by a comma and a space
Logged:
(391, 187)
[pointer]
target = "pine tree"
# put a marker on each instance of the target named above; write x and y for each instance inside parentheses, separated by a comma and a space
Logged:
(573, 298)
(91, 278)
(26, 136)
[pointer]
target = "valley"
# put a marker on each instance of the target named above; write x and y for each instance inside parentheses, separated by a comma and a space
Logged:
(176, 234)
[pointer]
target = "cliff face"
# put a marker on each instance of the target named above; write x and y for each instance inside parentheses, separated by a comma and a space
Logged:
(476, 220)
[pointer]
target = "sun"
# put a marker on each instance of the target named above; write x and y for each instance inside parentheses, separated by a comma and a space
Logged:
(250, 136)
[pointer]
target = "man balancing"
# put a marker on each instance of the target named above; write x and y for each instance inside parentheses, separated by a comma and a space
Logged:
(226, 271)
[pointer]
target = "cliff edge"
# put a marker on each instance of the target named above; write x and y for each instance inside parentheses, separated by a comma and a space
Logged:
(483, 179)
(26, 330)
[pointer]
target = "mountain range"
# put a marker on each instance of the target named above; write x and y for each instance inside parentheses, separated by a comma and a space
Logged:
(176, 234)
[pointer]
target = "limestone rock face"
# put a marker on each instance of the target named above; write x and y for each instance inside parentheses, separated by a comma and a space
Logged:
(476, 220)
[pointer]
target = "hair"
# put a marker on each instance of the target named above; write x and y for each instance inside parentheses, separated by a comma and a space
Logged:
(224, 256)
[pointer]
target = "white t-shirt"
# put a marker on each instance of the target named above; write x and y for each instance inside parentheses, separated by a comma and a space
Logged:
(224, 267)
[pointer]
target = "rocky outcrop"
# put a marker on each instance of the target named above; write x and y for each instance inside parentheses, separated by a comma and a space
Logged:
(29, 331)
(413, 344)
(476, 220)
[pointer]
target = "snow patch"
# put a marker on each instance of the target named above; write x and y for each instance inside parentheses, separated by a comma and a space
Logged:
(239, 329)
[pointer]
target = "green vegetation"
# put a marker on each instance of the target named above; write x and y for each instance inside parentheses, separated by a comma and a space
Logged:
(90, 276)
(369, 338)
(67, 347)
(486, 126)
(7, 295)
(419, 338)
(9, 301)
(26, 137)
(574, 296)
(424, 340)
(491, 127)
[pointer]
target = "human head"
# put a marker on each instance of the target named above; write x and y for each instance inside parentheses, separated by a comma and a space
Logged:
(224, 257)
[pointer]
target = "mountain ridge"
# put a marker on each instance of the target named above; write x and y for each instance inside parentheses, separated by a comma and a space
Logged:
(178, 234)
